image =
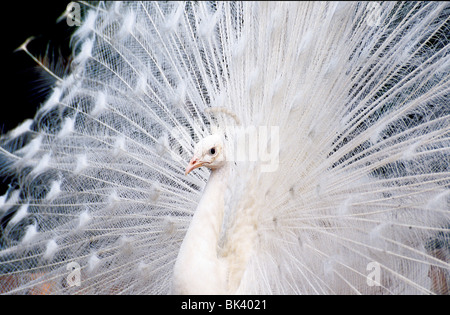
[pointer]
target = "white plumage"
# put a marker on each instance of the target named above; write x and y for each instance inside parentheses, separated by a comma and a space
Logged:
(330, 129)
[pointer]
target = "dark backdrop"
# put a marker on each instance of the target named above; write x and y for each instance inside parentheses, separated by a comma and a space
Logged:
(22, 86)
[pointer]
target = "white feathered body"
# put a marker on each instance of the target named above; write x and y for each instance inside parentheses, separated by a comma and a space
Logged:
(348, 103)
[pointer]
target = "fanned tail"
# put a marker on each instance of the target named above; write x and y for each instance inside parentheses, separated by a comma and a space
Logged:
(349, 187)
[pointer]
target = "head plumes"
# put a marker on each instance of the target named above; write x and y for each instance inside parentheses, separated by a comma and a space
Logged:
(225, 111)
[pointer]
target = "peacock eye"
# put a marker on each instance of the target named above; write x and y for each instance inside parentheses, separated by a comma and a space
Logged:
(212, 151)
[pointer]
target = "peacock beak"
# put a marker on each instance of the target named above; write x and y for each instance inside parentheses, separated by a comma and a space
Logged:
(193, 164)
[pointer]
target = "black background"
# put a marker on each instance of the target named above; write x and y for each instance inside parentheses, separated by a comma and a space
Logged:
(22, 87)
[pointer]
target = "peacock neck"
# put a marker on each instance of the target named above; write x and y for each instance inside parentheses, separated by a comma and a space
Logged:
(198, 269)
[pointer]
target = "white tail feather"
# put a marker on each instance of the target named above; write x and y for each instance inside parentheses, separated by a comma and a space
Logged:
(358, 200)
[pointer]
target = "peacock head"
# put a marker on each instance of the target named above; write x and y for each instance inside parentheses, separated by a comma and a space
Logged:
(208, 152)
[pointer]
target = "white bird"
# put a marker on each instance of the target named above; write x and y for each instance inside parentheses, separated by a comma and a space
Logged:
(323, 129)
(198, 260)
